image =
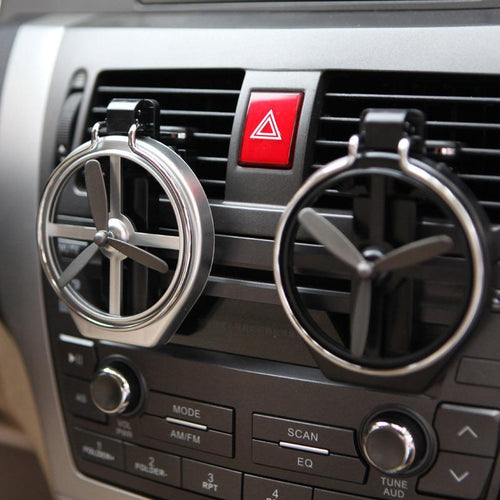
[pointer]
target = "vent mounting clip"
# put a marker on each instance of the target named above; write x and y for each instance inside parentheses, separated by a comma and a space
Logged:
(382, 129)
(122, 113)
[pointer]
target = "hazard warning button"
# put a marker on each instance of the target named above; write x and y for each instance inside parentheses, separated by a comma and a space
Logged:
(270, 129)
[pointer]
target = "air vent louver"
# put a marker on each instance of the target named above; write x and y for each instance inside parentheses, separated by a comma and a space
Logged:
(461, 108)
(201, 103)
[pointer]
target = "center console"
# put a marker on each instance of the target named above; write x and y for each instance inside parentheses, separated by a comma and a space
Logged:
(271, 277)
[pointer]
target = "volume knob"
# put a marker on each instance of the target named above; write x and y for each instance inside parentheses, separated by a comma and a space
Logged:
(394, 444)
(115, 389)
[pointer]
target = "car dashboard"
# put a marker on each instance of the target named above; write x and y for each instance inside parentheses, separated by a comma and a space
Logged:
(250, 250)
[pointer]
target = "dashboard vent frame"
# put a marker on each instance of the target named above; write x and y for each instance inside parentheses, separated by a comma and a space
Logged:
(463, 109)
(197, 110)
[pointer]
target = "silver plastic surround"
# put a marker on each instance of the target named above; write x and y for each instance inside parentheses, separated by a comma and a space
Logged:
(461, 213)
(195, 243)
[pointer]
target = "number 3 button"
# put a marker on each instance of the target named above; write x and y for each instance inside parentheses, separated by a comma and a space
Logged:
(211, 480)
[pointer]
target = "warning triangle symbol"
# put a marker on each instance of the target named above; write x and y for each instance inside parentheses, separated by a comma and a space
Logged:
(267, 128)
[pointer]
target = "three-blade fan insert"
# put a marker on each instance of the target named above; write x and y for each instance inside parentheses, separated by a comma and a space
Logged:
(104, 237)
(343, 249)
(130, 180)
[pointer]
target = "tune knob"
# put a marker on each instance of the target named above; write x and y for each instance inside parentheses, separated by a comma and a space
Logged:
(395, 443)
(115, 389)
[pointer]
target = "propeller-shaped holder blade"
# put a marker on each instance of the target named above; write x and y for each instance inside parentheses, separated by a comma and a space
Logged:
(77, 265)
(98, 201)
(139, 255)
(414, 253)
(96, 193)
(330, 237)
(343, 249)
(360, 317)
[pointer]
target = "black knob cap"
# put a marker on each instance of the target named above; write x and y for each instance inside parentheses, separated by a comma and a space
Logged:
(115, 389)
(394, 443)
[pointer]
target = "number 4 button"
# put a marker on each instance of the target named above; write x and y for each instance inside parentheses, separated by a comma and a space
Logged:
(260, 488)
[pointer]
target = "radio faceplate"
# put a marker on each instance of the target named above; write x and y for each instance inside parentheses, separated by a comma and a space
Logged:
(231, 426)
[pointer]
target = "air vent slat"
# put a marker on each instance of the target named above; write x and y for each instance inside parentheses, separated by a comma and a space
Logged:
(206, 111)
(212, 182)
(458, 108)
(472, 125)
(429, 123)
(480, 178)
(211, 135)
(480, 151)
(109, 89)
(490, 204)
(99, 110)
(211, 159)
(423, 97)
(185, 112)
(333, 144)
(338, 119)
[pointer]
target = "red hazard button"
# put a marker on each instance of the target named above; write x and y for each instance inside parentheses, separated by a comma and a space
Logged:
(270, 129)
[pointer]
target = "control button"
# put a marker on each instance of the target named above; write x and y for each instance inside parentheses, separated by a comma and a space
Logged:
(393, 442)
(259, 488)
(153, 465)
(110, 391)
(216, 442)
(77, 395)
(211, 480)
(465, 429)
(389, 447)
(332, 466)
(115, 388)
(332, 495)
(270, 129)
(78, 356)
(457, 476)
(484, 372)
(276, 429)
(99, 449)
(214, 417)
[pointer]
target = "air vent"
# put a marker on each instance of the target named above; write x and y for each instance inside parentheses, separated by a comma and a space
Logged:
(197, 113)
(459, 108)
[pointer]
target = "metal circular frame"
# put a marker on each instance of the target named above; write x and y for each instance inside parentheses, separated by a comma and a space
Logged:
(192, 214)
(474, 241)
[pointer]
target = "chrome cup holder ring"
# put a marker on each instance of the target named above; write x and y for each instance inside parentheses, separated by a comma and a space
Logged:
(115, 237)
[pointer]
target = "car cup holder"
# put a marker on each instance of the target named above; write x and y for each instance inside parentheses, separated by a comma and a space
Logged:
(415, 284)
(182, 258)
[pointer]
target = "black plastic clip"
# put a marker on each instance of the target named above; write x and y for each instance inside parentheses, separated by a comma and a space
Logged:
(382, 129)
(122, 113)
